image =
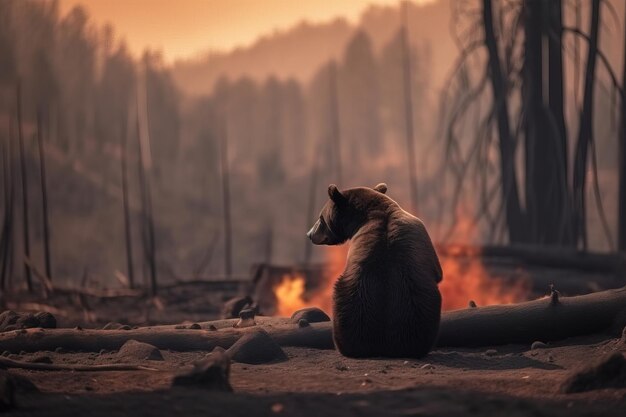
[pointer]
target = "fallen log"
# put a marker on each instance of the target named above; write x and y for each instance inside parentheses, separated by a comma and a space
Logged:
(547, 319)
(317, 335)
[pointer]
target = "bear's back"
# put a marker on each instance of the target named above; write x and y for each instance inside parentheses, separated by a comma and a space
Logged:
(387, 302)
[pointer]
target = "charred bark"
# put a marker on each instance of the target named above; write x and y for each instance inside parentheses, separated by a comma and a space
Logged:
(585, 132)
(621, 215)
(44, 197)
(510, 194)
(25, 223)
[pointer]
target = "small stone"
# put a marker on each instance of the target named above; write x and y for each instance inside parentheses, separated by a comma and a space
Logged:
(134, 350)
(472, 304)
(212, 328)
(195, 326)
(78, 328)
(211, 373)
(41, 359)
(550, 358)
(246, 319)
(102, 352)
(491, 352)
(303, 323)
(59, 350)
(125, 327)
(111, 326)
(538, 345)
(341, 367)
(255, 348)
(427, 366)
(310, 314)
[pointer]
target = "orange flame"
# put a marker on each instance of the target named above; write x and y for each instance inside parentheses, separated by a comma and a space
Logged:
(289, 294)
(464, 278)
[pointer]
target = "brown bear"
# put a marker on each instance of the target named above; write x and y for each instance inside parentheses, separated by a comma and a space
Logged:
(386, 302)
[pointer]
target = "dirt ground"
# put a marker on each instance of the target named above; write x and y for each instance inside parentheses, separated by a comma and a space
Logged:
(508, 380)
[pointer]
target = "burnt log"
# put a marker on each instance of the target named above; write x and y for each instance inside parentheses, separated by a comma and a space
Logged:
(317, 335)
(548, 319)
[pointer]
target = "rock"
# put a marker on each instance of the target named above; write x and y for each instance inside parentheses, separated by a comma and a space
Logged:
(133, 349)
(472, 304)
(608, 372)
(7, 391)
(491, 352)
(538, 345)
(246, 319)
(255, 348)
(234, 306)
(41, 359)
(213, 373)
(10, 320)
(212, 328)
(303, 323)
(195, 326)
(310, 314)
(125, 327)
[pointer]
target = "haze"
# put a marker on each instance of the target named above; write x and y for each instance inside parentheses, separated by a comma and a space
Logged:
(195, 26)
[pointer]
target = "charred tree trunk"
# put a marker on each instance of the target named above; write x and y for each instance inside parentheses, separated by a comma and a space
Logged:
(408, 109)
(44, 197)
(228, 263)
(562, 200)
(585, 132)
(20, 136)
(545, 145)
(127, 225)
(335, 130)
(537, 186)
(6, 253)
(510, 194)
(621, 215)
(310, 216)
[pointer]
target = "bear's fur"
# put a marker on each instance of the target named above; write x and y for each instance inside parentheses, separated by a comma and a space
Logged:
(386, 302)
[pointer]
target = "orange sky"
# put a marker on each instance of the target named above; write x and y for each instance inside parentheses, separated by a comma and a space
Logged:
(182, 28)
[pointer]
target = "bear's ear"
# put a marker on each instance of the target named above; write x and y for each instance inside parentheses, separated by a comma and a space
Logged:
(381, 188)
(335, 194)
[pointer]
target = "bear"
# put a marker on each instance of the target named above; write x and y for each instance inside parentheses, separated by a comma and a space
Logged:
(386, 303)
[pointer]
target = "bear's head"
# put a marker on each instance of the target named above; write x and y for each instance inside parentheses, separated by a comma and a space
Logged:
(345, 212)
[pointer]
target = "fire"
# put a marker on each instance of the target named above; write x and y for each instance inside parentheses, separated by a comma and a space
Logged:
(289, 294)
(464, 278)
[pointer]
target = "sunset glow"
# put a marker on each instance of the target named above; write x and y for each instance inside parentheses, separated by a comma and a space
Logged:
(195, 26)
